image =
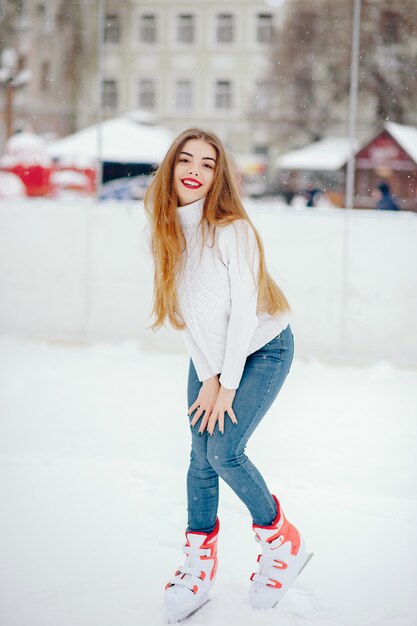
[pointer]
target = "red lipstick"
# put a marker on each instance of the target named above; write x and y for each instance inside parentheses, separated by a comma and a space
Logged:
(195, 184)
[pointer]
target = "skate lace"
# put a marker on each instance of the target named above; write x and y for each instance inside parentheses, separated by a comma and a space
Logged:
(188, 574)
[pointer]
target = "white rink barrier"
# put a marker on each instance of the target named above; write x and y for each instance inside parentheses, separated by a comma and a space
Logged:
(78, 271)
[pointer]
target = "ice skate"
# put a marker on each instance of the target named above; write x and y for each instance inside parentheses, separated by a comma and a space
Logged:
(283, 557)
(188, 590)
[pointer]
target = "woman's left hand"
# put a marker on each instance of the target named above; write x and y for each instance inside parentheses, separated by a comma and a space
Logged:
(223, 405)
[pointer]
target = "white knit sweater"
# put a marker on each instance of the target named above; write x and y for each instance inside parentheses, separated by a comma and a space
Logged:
(217, 293)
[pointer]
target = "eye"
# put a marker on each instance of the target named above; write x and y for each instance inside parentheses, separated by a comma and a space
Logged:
(183, 160)
(208, 165)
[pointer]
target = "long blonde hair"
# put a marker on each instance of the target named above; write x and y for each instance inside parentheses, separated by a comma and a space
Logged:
(222, 206)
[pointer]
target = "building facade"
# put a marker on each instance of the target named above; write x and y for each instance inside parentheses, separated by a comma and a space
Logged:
(44, 39)
(209, 64)
(186, 63)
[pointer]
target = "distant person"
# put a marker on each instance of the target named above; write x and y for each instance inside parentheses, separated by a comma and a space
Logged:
(311, 194)
(387, 202)
(211, 282)
(287, 190)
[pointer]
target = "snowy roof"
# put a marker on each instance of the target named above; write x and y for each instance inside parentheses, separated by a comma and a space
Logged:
(405, 136)
(328, 154)
(25, 149)
(123, 141)
(332, 153)
(11, 186)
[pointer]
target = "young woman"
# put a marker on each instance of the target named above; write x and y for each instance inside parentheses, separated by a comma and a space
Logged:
(211, 283)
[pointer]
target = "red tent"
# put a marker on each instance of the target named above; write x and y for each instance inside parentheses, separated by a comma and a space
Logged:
(25, 155)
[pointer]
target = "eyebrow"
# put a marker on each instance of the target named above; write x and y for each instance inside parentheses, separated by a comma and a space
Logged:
(203, 159)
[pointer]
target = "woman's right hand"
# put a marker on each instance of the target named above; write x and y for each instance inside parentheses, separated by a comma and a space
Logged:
(206, 399)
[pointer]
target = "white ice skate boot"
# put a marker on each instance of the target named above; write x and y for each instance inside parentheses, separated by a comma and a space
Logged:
(283, 557)
(188, 590)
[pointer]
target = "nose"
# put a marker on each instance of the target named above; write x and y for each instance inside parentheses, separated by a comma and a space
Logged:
(192, 170)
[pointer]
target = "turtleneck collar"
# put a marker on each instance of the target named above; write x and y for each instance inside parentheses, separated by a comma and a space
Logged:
(190, 214)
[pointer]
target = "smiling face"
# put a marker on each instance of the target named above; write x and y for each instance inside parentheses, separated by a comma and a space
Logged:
(194, 171)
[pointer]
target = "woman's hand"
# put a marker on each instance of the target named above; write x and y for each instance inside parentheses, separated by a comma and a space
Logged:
(206, 399)
(223, 405)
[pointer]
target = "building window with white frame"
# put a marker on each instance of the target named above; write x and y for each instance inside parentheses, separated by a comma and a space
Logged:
(109, 94)
(186, 28)
(183, 95)
(148, 26)
(223, 94)
(225, 28)
(146, 94)
(112, 28)
(264, 28)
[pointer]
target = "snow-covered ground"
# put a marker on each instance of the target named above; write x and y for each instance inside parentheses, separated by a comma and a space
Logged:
(93, 453)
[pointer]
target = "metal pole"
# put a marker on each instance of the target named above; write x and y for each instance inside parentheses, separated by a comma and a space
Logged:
(99, 87)
(9, 108)
(350, 175)
(353, 103)
(89, 209)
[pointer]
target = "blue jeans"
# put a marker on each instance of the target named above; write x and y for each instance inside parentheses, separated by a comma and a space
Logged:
(224, 455)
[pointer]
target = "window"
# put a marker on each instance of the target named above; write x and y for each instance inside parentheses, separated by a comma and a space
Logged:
(146, 94)
(112, 28)
(45, 75)
(21, 62)
(41, 11)
(186, 28)
(183, 95)
(42, 16)
(225, 28)
(21, 9)
(223, 94)
(302, 92)
(390, 27)
(109, 94)
(264, 28)
(148, 28)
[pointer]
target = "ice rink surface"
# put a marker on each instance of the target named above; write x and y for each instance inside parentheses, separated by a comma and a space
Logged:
(94, 450)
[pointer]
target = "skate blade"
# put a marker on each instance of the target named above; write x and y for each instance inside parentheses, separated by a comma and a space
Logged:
(308, 559)
(306, 562)
(183, 619)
